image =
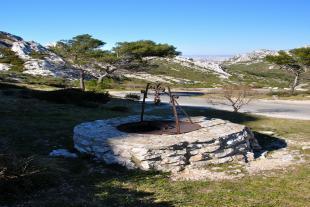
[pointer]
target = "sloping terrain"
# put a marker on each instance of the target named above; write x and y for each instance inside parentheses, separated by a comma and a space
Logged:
(29, 57)
(37, 60)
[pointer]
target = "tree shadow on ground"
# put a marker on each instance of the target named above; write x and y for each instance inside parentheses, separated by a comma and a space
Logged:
(88, 183)
(121, 196)
(63, 182)
(213, 113)
(61, 96)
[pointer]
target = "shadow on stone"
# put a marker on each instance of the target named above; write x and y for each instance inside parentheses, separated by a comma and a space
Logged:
(268, 143)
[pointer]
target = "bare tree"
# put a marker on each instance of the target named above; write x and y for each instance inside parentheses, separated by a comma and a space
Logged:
(235, 96)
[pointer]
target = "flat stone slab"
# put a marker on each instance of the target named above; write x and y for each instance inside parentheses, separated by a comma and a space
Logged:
(217, 141)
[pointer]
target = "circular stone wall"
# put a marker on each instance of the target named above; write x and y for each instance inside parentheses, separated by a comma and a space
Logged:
(216, 141)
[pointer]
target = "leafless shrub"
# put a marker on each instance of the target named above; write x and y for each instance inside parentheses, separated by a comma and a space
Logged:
(16, 173)
(235, 96)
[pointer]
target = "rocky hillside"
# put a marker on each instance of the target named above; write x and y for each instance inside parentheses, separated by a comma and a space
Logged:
(29, 57)
(251, 57)
(37, 59)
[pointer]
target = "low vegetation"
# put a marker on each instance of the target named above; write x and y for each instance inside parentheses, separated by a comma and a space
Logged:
(258, 75)
(38, 55)
(9, 57)
(287, 95)
(61, 96)
(199, 79)
(133, 96)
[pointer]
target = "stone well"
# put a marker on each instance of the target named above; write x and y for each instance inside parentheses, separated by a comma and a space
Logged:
(216, 142)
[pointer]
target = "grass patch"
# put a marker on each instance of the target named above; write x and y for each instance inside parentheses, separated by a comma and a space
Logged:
(259, 75)
(34, 81)
(34, 127)
(286, 95)
(62, 96)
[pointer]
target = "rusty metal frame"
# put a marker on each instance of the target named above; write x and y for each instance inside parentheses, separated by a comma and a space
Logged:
(157, 88)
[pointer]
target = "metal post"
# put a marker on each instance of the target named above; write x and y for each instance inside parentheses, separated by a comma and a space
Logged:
(186, 114)
(177, 124)
(143, 102)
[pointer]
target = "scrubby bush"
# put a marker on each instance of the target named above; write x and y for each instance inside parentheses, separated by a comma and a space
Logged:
(71, 96)
(133, 96)
(49, 81)
(38, 55)
(10, 57)
(93, 85)
(17, 174)
(283, 93)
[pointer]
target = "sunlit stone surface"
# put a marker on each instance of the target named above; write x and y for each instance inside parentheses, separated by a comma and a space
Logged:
(218, 141)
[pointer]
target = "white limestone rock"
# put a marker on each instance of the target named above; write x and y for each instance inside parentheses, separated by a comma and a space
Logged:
(49, 65)
(5, 67)
(203, 65)
(63, 153)
(252, 57)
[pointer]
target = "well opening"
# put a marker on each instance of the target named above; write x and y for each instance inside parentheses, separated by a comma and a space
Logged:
(158, 127)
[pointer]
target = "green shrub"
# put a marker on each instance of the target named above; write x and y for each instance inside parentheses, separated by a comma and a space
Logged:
(17, 68)
(38, 55)
(93, 85)
(49, 81)
(133, 96)
(288, 93)
(69, 96)
(10, 57)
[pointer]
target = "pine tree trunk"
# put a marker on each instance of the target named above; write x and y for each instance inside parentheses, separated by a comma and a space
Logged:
(82, 84)
(295, 83)
(100, 79)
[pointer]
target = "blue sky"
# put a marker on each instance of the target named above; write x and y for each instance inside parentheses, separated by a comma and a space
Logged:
(195, 27)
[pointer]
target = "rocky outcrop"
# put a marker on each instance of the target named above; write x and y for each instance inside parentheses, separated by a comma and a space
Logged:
(203, 64)
(5, 67)
(253, 57)
(158, 78)
(218, 141)
(49, 64)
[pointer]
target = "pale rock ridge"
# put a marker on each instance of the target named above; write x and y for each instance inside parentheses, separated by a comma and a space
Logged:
(202, 65)
(49, 65)
(253, 57)
(5, 67)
